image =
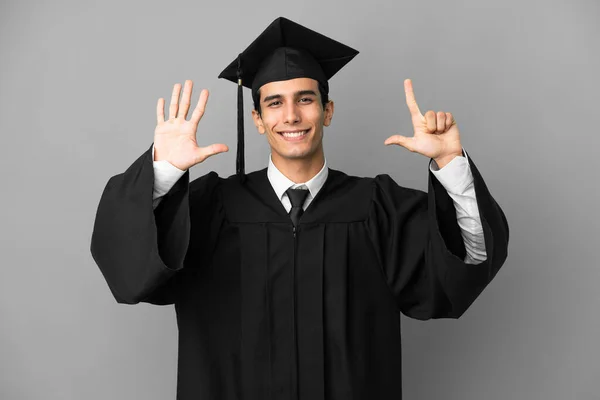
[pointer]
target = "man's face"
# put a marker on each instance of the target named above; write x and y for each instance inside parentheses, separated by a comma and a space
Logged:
(293, 119)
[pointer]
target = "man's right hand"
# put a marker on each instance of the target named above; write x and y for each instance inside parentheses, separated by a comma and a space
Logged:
(175, 138)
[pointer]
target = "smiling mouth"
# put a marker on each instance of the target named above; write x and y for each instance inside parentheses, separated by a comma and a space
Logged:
(294, 134)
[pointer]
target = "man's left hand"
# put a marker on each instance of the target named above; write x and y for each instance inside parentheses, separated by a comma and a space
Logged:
(435, 134)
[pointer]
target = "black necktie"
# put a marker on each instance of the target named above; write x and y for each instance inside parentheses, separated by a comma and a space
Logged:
(297, 197)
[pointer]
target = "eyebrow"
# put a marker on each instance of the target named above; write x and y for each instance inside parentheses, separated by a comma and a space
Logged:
(297, 94)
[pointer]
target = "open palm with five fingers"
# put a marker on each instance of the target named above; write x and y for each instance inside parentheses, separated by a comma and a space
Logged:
(435, 135)
(175, 138)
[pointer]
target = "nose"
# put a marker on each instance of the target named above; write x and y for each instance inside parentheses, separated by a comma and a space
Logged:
(292, 114)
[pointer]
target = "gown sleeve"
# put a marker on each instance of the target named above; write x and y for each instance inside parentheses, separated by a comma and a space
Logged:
(140, 250)
(421, 251)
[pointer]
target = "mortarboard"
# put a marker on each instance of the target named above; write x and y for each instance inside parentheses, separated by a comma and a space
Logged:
(285, 50)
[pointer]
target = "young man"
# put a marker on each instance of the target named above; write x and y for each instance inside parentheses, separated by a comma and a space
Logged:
(288, 282)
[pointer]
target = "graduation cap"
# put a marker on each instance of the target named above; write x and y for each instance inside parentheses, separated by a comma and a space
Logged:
(285, 50)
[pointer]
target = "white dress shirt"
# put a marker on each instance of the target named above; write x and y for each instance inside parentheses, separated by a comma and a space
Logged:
(456, 177)
(281, 184)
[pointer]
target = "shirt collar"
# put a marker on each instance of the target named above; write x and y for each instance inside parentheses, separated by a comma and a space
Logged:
(281, 183)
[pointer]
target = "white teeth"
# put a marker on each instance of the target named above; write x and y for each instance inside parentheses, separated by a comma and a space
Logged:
(294, 134)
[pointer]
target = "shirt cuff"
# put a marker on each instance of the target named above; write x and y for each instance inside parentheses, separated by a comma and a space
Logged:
(165, 176)
(455, 176)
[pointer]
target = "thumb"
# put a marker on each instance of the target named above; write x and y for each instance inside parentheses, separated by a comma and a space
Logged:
(400, 140)
(205, 152)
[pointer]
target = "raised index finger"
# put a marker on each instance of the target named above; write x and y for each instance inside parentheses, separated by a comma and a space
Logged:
(410, 98)
(200, 107)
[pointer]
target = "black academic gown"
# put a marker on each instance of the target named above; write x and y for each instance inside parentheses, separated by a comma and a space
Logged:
(264, 313)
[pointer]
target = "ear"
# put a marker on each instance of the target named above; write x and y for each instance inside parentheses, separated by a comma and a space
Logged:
(258, 122)
(328, 113)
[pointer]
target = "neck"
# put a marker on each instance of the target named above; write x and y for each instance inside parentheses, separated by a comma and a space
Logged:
(299, 170)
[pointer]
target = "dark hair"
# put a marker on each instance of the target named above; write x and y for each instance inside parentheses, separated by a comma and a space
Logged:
(256, 98)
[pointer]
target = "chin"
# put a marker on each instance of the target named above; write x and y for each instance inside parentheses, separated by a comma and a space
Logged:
(292, 153)
(296, 156)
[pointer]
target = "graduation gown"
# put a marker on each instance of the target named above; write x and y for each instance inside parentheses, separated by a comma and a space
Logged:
(266, 312)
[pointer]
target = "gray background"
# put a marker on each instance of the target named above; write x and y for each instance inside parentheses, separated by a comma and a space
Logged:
(78, 88)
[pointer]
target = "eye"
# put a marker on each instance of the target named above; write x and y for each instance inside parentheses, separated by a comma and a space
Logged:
(274, 103)
(306, 100)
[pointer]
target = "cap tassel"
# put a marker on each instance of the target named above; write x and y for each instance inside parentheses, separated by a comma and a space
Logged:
(240, 169)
